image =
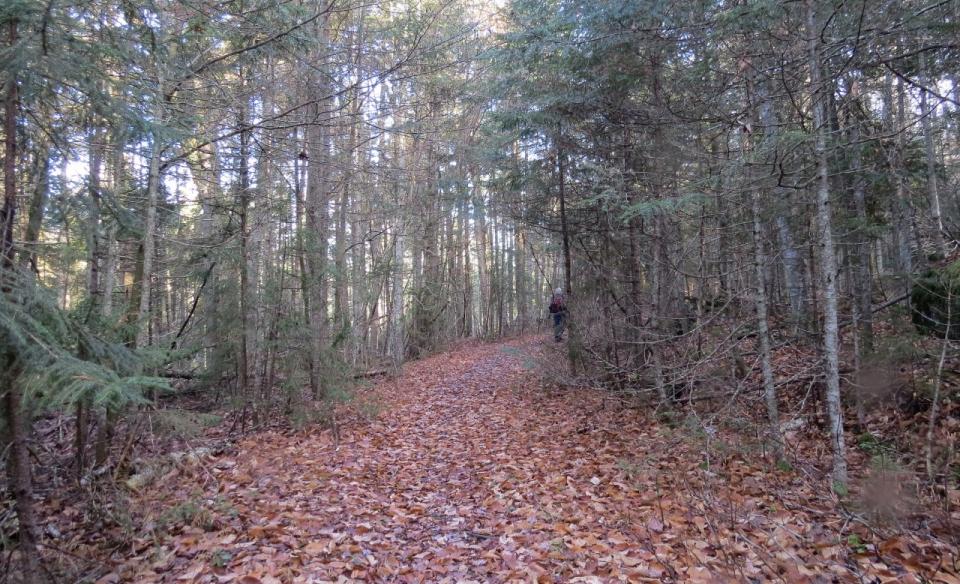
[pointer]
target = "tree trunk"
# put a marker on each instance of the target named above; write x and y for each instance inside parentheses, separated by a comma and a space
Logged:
(395, 342)
(17, 418)
(768, 144)
(520, 276)
(341, 292)
(927, 113)
(94, 235)
(792, 263)
(466, 328)
(483, 274)
(901, 205)
(863, 278)
(148, 243)
(828, 259)
(763, 331)
(316, 247)
(246, 389)
(41, 190)
(95, 149)
(572, 339)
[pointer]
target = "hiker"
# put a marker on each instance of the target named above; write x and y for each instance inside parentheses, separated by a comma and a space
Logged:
(558, 308)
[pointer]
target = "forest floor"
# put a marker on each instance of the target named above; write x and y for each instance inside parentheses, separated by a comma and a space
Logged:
(469, 469)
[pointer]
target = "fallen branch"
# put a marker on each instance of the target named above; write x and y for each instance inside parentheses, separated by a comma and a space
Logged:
(193, 307)
(373, 373)
(880, 307)
(179, 375)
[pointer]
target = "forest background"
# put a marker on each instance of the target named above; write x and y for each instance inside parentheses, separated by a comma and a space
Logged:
(752, 207)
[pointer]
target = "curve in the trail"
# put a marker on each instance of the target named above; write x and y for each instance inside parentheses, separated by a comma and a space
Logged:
(473, 472)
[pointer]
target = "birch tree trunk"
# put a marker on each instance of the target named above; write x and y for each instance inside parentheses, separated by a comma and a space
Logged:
(148, 244)
(828, 258)
(763, 329)
(760, 261)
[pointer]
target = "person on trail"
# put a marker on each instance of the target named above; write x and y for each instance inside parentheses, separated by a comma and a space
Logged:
(558, 308)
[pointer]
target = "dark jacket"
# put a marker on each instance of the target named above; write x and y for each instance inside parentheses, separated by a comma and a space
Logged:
(557, 304)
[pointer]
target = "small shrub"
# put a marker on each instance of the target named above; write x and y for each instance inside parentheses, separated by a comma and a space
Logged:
(840, 489)
(784, 466)
(936, 301)
(856, 544)
(873, 445)
(669, 418)
(183, 423)
(370, 407)
(221, 559)
(191, 512)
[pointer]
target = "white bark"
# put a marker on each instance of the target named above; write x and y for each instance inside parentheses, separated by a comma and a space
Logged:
(763, 329)
(828, 258)
(938, 382)
(109, 272)
(933, 188)
(149, 242)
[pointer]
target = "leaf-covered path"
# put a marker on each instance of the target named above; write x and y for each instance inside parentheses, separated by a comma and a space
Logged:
(473, 471)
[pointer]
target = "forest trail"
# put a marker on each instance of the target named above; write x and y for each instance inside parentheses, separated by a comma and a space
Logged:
(472, 471)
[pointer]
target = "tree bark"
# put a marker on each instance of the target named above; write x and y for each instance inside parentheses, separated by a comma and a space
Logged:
(395, 342)
(316, 243)
(933, 188)
(466, 329)
(483, 272)
(572, 339)
(149, 242)
(828, 259)
(792, 262)
(94, 235)
(17, 418)
(901, 205)
(41, 190)
(763, 330)
(246, 389)
(863, 278)
(759, 263)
